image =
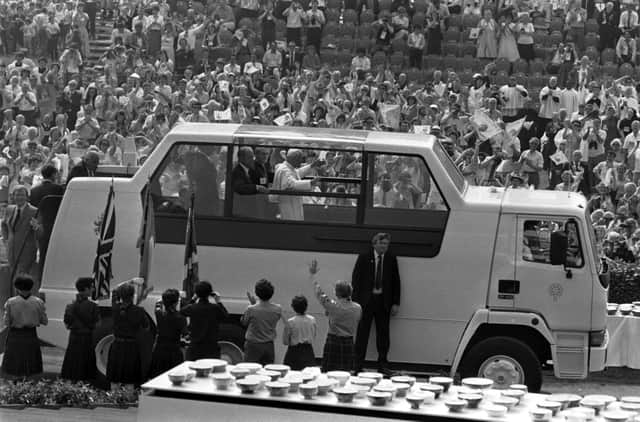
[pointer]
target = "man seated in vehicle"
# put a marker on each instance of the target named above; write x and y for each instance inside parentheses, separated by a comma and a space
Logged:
(383, 193)
(246, 186)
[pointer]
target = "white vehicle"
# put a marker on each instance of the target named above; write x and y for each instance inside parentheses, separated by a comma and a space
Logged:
(479, 292)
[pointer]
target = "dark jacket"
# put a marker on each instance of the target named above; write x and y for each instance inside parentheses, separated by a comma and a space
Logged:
(45, 189)
(364, 274)
(81, 316)
(204, 321)
(242, 183)
(79, 170)
(171, 325)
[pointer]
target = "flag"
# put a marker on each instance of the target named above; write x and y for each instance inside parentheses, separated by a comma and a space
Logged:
(190, 251)
(102, 273)
(146, 238)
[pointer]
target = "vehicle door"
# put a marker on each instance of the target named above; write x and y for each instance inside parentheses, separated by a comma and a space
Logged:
(561, 294)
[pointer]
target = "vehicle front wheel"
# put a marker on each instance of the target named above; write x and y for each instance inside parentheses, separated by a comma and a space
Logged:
(504, 360)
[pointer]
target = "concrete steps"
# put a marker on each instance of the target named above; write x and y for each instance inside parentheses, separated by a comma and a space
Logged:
(102, 42)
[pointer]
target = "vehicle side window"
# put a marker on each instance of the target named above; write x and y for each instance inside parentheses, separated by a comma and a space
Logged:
(187, 169)
(536, 239)
(402, 192)
(316, 185)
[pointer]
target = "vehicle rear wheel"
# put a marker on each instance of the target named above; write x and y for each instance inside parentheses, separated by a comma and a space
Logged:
(230, 352)
(504, 360)
(102, 339)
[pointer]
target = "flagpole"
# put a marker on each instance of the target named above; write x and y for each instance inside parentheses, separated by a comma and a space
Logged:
(147, 231)
(190, 251)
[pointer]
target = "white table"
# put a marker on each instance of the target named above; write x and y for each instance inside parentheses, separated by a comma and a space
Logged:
(198, 400)
(624, 341)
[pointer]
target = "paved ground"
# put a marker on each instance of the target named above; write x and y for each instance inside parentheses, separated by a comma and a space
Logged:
(69, 415)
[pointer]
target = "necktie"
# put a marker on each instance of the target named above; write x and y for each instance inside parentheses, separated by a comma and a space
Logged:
(16, 219)
(384, 199)
(628, 20)
(378, 281)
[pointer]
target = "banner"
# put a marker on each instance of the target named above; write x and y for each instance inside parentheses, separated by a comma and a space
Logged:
(513, 128)
(422, 129)
(390, 115)
(283, 120)
(559, 158)
(102, 271)
(480, 119)
(224, 115)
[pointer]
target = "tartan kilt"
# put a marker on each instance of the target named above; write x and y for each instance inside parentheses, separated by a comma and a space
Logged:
(338, 354)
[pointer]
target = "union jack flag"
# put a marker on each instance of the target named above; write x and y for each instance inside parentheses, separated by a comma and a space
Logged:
(190, 252)
(102, 273)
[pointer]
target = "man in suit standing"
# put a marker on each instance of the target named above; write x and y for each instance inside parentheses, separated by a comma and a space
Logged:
(19, 232)
(48, 209)
(246, 186)
(376, 287)
(86, 168)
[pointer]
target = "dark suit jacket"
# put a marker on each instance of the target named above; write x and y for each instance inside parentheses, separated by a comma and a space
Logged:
(364, 274)
(79, 170)
(45, 189)
(21, 238)
(242, 183)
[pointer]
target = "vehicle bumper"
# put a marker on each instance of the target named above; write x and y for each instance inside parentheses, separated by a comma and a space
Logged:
(598, 355)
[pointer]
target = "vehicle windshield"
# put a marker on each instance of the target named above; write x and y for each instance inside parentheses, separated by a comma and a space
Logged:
(592, 240)
(454, 172)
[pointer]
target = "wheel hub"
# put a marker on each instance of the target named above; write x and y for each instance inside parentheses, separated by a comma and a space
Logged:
(503, 370)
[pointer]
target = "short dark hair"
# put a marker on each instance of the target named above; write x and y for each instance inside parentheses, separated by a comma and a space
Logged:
(84, 283)
(381, 236)
(170, 298)
(299, 304)
(23, 282)
(126, 292)
(48, 171)
(203, 289)
(343, 289)
(264, 289)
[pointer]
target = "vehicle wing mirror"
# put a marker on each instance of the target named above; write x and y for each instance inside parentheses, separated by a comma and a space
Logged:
(558, 247)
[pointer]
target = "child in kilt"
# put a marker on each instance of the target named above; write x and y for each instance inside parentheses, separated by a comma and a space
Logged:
(22, 314)
(204, 322)
(125, 362)
(80, 318)
(344, 316)
(299, 333)
(167, 352)
(261, 319)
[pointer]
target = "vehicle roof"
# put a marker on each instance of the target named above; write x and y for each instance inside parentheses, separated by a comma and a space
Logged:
(196, 131)
(525, 201)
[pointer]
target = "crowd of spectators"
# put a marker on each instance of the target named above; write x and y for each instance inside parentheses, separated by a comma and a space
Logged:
(522, 93)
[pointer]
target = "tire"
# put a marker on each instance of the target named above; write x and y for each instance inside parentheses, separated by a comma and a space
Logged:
(492, 351)
(101, 335)
(102, 340)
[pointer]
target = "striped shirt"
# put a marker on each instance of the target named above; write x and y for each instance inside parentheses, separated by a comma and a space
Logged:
(513, 97)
